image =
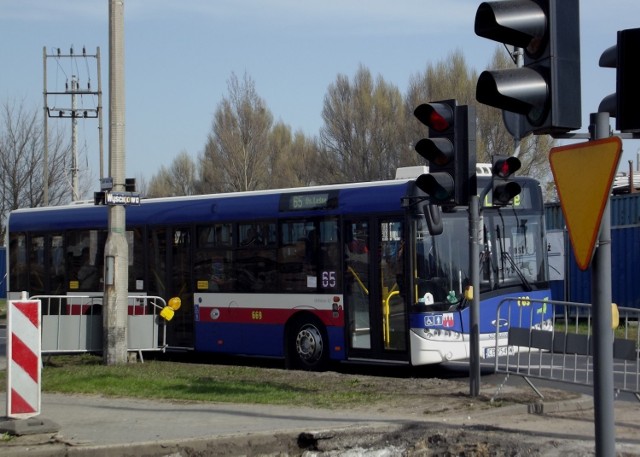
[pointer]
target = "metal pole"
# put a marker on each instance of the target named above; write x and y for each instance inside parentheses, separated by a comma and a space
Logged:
(116, 249)
(75, 192)
(519, 54)
(100, 130)
(603, 393)
(45, 155)
(474, 318)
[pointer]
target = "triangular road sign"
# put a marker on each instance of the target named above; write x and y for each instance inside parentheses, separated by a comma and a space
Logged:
(584, 174)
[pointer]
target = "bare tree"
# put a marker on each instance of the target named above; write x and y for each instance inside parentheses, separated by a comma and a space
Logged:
(362, 137)
(234, 157)
(21, 161)
(292, 158)
(178, 179)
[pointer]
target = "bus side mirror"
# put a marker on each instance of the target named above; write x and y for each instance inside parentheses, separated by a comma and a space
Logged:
(433, 215)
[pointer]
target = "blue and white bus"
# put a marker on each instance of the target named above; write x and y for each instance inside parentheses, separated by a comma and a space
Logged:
(327, 273)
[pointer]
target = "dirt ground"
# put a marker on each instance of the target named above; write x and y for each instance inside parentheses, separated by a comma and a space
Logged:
(431, 406)
(429, 415)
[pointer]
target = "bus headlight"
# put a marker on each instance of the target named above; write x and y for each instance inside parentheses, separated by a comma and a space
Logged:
(438, 334)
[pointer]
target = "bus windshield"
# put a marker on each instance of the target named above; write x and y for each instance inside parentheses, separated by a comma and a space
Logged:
(513, 250)
(512, 254)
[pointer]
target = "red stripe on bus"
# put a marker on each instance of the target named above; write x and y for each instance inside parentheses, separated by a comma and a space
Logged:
(264, 315)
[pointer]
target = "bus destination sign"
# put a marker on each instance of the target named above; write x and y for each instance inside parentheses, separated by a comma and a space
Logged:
(308, 201)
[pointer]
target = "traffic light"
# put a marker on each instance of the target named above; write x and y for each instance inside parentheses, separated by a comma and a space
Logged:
(504, 189)
(623, 104)
(450, 150)
(130, 184)
(98, 198)
(546, 91)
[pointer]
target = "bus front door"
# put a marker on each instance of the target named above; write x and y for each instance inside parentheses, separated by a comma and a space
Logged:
(374, 299)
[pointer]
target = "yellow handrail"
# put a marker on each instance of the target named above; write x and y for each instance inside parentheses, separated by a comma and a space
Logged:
(386, 312)
(355, 275)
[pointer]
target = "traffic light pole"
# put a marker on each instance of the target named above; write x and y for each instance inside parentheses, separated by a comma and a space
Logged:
(475, 232)
(601, 296)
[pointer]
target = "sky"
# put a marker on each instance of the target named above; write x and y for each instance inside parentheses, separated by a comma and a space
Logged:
(180, 55)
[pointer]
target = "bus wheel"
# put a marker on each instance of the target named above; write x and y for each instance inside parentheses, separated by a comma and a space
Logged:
(307, 346)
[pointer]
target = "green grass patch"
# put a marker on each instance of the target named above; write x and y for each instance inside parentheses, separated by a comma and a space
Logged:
(85, 374)
(3, 309)
(626, 330)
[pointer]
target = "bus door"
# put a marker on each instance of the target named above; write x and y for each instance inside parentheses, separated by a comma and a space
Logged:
(374, 300)
(170, 276)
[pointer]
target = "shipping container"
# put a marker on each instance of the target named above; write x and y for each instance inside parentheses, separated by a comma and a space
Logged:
(573, 284)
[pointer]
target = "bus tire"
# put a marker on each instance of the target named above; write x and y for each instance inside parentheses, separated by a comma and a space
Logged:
(307, 345)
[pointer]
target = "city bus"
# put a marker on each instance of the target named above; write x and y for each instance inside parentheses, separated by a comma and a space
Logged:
(345, 272)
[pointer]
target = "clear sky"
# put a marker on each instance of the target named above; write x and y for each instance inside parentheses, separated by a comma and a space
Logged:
(180, 54)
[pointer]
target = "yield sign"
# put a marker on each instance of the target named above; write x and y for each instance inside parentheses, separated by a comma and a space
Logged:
(584, 173)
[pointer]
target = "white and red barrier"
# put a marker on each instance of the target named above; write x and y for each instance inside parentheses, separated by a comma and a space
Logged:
(23, 358)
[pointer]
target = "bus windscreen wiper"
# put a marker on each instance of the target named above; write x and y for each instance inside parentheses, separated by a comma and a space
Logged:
(506, 255)
(523, 278)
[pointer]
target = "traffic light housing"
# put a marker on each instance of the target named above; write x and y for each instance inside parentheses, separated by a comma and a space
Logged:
(450, 150)
(98, 198)
(504, 189)
(546, 91)
(623, 104)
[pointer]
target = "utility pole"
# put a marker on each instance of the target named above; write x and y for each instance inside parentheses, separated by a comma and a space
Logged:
(116, 248)
(74, 140)
(72, 111)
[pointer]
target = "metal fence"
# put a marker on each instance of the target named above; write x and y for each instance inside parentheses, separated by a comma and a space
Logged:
(73, 323)
(561, 348)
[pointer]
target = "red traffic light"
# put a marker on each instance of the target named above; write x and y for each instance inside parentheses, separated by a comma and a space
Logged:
(503, 168)
(436, 116)
(504, 190)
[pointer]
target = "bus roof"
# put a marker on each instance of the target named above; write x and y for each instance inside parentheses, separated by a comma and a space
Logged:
(354, 198)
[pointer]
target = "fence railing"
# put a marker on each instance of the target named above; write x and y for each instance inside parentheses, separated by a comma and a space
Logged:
(562, 349)
(74, 323)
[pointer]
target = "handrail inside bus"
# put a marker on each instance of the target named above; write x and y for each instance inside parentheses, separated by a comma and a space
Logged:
(355, 275)
(386, 315)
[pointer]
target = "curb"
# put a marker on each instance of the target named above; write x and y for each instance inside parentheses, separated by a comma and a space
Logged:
(583, 403)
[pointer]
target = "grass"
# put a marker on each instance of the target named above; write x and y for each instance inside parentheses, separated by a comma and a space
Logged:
(85, 374)
(3, 309)
(627, 331)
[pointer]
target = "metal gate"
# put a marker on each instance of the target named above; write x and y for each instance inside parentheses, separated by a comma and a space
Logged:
(73, 323)
(563, 350)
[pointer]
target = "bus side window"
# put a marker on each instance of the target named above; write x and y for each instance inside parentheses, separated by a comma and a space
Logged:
(255, 260)
(37, 268)
(18, 268)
